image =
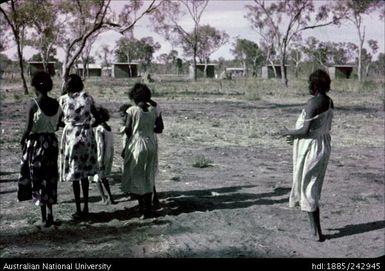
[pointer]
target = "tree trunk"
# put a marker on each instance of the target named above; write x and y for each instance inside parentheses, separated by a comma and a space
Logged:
(205, 69)
(273, 66)
(195, 64)
(45, 62)
(283, 66)
(359, 68)
(66, 73)
(20, 55)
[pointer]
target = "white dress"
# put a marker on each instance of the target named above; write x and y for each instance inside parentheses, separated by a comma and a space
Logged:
(105, 152)
(310, 160)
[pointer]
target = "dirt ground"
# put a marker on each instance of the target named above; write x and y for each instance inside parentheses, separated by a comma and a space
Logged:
(236, 206)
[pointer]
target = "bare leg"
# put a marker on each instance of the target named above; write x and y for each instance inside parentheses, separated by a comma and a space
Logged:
(155, 200)
(107, 187)
(50, 216)
(76, 188)
(85, 185)
(315, 226)
(43, 213)
(101, 192)
(147, 205)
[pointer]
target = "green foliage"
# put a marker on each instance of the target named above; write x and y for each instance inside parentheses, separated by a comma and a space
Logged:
(133, 49)
(248, 52)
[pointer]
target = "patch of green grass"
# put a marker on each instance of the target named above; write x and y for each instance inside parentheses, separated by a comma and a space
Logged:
(202, 162)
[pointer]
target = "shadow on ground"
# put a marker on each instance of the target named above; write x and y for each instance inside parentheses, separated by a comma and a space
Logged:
(356, 229)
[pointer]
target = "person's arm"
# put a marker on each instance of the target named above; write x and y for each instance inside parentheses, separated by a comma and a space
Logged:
(310, 110)
(60, 122)
(29, 123)
(100, 143)
(128, 129)
(159, 126)
(95, 114)
(152, 103)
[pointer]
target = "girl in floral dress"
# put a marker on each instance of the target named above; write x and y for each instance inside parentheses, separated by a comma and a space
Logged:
(78, 153)
(39, 170)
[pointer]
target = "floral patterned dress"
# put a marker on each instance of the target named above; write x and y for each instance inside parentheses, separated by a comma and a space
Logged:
(78, 146)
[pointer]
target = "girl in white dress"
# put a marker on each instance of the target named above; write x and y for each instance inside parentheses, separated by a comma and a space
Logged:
(105, 154)
(311, 150)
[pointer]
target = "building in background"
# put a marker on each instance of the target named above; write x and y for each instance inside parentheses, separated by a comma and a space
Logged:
(268, 71)
(124, 70)
(35, 66)
(210, 70)
(93, 70)
(341, 71)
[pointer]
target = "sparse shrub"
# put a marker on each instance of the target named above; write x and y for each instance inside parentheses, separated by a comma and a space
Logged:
(202, 162)
(17, 97)
(175, 179)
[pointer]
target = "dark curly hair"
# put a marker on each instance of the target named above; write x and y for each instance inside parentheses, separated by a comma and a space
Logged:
(74, 84)
(103, 113)
(42, 82)
(140, 93)
(320, 81)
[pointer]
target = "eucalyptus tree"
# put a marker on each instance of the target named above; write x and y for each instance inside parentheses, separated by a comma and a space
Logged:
(279, 22)
(248, 53)
(141, 50)
(16, 15)
(209, 40)
(87, 17)
(167, 22)
(355, 11)
(44, 28)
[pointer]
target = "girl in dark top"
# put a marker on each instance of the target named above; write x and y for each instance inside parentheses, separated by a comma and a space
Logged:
(39, 170)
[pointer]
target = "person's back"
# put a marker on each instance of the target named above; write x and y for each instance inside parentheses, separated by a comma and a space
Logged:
(143, 122)
(39, 170)
(46, 116)
(140, 152)
(76, 108)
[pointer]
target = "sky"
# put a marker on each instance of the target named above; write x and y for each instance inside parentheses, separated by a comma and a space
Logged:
(229, 16)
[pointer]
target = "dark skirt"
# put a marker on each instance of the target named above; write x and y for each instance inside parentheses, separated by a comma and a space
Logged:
(39, 169)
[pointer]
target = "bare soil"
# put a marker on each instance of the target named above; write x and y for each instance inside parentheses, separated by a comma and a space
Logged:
(236, 206)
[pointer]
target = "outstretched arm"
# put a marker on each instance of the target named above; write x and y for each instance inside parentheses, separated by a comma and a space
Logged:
(310, 110)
